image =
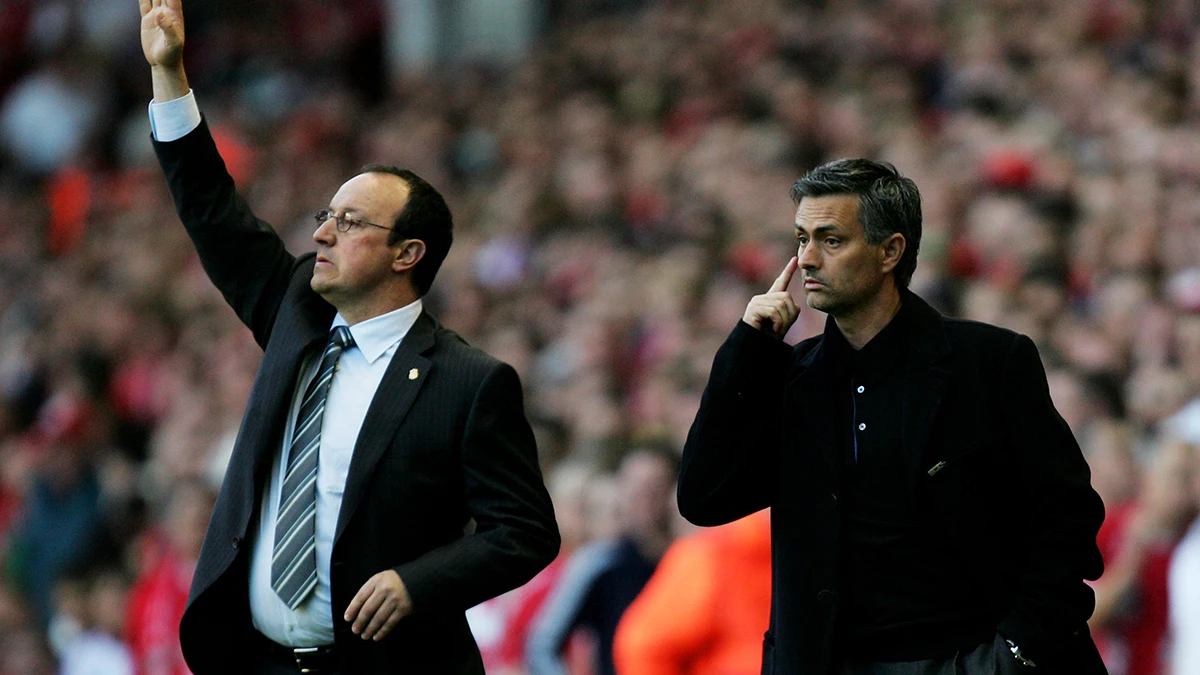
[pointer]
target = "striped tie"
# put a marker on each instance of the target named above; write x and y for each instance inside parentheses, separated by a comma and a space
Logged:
(294, 564)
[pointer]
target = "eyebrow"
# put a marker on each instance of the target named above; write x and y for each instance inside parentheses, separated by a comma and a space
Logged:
(820, 229)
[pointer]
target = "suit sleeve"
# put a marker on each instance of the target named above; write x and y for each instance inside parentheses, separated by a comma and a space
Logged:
(515, 533)
(1062, 513)
(245, 258)
(732, 444)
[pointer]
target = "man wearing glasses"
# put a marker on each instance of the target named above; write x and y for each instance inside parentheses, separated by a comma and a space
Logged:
(340, 542)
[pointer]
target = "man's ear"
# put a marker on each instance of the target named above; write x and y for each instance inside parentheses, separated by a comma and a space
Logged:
(407, 254)
(891, 252)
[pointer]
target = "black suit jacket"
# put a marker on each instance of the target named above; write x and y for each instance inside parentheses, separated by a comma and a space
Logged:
(1013, 493)
(434, 452)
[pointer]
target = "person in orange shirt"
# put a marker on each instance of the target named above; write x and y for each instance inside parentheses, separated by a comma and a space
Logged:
(706, 608)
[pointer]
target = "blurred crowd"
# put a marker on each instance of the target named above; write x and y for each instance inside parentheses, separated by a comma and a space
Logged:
(619, 176)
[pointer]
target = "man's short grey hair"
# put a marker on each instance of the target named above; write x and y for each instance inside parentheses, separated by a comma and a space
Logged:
(887, 203)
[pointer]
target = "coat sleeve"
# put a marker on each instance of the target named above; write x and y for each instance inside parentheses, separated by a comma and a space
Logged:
(242, 255)
(1062, 513)
(515, 533)
(731, 446)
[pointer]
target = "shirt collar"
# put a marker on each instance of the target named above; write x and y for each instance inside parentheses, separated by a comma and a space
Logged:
(376, 335)
(877, 357)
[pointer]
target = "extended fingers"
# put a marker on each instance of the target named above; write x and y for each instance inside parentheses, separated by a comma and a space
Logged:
(383, 615)
(359, 600)
(785, 277)
(393, 619)
(369, 608)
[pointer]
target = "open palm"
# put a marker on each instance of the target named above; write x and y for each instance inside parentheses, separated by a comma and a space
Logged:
(162, 31)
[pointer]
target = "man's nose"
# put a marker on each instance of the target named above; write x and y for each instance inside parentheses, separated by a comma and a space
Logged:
(325, 232)
(808, 256)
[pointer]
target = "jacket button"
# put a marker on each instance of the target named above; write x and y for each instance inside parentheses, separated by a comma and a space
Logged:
(826, 598)
(237, 541)
(832, 501)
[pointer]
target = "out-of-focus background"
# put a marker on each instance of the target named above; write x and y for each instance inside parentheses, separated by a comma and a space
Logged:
(619, 174)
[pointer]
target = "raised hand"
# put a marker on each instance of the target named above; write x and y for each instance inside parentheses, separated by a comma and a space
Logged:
(775, 311)
(162, 32)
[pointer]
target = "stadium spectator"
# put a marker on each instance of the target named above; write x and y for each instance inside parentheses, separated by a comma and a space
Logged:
(705, 610)
(617, 197)
(601, 580)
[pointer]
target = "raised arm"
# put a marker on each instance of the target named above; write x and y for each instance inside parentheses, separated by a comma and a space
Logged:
(243, 256)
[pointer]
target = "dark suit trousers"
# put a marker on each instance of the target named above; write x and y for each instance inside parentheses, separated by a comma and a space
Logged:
(990, 658)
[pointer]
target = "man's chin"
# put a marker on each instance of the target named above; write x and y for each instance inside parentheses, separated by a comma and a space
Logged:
(319, 284)
(822, 302)
(817, 300)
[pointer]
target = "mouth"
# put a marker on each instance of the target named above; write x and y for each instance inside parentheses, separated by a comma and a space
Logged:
(322, 260)
(812, 283)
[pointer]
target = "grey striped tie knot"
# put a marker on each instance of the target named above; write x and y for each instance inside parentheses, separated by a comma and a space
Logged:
(294, 563)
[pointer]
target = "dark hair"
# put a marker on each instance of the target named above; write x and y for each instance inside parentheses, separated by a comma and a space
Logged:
(887, 202)
(425, 216)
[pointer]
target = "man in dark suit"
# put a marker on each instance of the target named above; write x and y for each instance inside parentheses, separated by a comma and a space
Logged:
(931, 511)
(384, 478)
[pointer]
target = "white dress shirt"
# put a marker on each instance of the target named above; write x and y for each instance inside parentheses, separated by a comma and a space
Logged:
(1183, 599)
(359, 371)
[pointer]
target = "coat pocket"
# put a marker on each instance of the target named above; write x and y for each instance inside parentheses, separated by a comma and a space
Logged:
(768, 656)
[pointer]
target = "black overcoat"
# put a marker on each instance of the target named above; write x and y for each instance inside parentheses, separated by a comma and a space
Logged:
(1013, 494)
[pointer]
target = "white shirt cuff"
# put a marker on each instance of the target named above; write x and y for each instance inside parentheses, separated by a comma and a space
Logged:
(174, 119)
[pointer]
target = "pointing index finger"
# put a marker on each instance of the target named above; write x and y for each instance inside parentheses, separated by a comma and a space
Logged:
(785, 277)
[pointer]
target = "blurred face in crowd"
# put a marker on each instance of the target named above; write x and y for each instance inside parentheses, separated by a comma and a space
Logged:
(106, 604)
(187, 519)
(358, 268)
(841, 271)
(645, 492)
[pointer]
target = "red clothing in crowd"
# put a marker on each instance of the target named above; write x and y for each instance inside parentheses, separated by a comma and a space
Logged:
(156, 605)
(1137, 639)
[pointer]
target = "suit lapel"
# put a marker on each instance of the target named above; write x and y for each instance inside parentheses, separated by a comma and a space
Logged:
(300, 331)
(926, 379)
(403, 380)
(811, 390)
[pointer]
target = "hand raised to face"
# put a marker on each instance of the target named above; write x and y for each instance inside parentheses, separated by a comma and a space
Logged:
(775, 311)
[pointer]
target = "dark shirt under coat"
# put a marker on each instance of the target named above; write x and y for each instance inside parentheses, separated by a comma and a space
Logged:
(1011, 495)
(905, 597)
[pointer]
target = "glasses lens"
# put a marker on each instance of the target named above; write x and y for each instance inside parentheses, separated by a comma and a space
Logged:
(322, 216)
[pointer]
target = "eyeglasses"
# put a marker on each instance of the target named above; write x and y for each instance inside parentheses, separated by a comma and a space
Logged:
(345, 223)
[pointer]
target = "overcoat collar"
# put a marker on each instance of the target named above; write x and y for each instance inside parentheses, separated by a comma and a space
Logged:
(926, 377)
(812, 388)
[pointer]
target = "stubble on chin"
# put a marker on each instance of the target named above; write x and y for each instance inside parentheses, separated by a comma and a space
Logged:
(318, 283)
(817, 300)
